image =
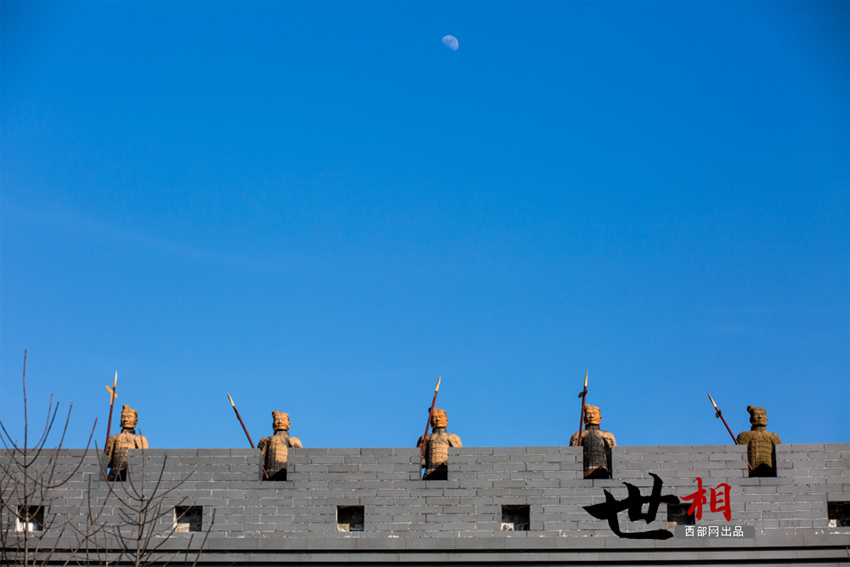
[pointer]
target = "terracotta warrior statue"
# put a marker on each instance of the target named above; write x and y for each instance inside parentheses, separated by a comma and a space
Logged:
(436, 456)
(275, 449)
(118, 446)
(760, 444)
(596, 445)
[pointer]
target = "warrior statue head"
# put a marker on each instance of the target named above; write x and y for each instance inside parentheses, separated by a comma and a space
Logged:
(129, 417)
(280, 421)
(439, 418)
(592, 416)
(758, 416)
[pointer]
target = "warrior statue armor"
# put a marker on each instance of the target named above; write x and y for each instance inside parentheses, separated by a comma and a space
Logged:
(596, 445)
(437, 444)
(760, 444)
(118, 446)
(275, 448)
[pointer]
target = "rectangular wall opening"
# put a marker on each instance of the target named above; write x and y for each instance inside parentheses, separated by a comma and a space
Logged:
(30, 519)
(677, 515)
(350, 518)
(516, 518)
(838, 514)
(188, 518)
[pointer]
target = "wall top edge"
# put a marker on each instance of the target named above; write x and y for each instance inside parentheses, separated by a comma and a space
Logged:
(531, 450)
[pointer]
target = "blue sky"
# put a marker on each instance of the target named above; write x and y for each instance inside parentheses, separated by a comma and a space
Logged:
(319, 208)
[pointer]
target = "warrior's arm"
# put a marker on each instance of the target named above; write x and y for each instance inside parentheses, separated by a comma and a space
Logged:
(141, 442)
(574, 439)
(454, 441)
(295, 443)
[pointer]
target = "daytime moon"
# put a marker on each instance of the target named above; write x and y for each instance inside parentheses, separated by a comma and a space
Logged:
(451, 42)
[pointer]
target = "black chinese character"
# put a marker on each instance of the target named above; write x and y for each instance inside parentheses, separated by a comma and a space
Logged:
(634, 502)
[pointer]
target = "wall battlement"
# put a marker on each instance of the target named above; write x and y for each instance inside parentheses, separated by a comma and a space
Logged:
(461, 519)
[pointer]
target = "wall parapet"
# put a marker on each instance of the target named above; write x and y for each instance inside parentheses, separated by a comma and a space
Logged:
(464, 514)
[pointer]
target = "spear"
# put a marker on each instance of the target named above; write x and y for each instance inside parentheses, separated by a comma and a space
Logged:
(729, 429)
(239, 417)
(582, 395)
(430, 411)
(245, 429)
(112, 395)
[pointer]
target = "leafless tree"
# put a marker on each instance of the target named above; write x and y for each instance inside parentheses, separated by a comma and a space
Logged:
(130, 523)
(29, 535)
(148, 517)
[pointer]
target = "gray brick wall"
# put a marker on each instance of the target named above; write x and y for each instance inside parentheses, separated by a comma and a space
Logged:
(464, 512)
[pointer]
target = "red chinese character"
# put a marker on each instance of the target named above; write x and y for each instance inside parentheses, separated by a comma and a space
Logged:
(718, 504)
(721, 504)
(698, 498)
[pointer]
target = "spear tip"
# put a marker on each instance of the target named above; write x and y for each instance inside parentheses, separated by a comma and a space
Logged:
(231, 400)
(437, 389)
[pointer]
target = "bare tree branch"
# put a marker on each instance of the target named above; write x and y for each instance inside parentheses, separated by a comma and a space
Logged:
(128, 523)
